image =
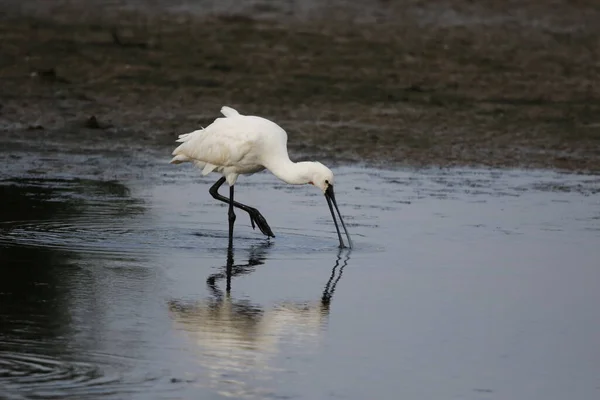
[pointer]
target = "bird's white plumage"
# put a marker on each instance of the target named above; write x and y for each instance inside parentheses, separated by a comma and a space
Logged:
(233, 145)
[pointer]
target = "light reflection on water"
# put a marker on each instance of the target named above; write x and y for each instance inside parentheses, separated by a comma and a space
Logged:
(235, 340)
(462, 282)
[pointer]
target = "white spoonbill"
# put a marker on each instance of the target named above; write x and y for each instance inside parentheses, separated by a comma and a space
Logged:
(242, 145)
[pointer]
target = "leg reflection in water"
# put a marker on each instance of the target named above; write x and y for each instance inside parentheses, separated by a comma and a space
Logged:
(237, 341)
(257, 257)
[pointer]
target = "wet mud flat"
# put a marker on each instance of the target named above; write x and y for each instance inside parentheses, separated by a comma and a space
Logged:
(388, 83)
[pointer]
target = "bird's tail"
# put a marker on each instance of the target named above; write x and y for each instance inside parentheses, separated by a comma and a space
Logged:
(183, 137)
(180, 158)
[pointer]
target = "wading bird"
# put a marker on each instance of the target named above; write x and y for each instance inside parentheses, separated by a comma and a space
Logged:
(242, 144)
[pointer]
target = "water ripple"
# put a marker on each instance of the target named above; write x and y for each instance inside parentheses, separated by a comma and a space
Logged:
(31, 375)
(83, 235)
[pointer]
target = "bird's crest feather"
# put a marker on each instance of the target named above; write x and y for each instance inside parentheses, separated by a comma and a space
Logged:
(229, 112)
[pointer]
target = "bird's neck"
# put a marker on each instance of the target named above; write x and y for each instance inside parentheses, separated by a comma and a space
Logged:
(289, 171)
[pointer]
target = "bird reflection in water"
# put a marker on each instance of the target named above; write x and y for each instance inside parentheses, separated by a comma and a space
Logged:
(237, 341)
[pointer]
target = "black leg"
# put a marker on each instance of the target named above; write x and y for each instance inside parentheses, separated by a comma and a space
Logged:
(256, 218)
(231, 218)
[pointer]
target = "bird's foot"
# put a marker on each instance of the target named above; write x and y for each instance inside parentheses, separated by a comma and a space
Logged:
(256, 219)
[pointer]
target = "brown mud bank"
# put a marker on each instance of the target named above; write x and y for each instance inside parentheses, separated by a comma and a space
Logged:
(496, 83)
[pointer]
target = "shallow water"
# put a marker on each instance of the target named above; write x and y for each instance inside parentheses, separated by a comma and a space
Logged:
(463, 283)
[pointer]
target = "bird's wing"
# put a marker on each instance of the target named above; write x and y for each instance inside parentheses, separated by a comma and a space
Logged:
(223, 143)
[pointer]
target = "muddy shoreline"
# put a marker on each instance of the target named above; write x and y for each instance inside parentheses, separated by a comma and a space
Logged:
(410, 83)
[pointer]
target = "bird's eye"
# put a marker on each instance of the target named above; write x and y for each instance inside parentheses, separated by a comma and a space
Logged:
(326, 181)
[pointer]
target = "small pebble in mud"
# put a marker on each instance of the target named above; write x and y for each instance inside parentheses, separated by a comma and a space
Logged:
(49, 74)
(92, 123)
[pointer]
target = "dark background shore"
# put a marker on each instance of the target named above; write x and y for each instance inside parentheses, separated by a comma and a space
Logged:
(493, 83)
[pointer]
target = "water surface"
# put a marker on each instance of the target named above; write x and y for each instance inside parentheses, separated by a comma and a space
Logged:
(464, 283)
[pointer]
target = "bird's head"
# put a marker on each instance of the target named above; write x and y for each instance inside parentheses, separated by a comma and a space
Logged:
(320, 176)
